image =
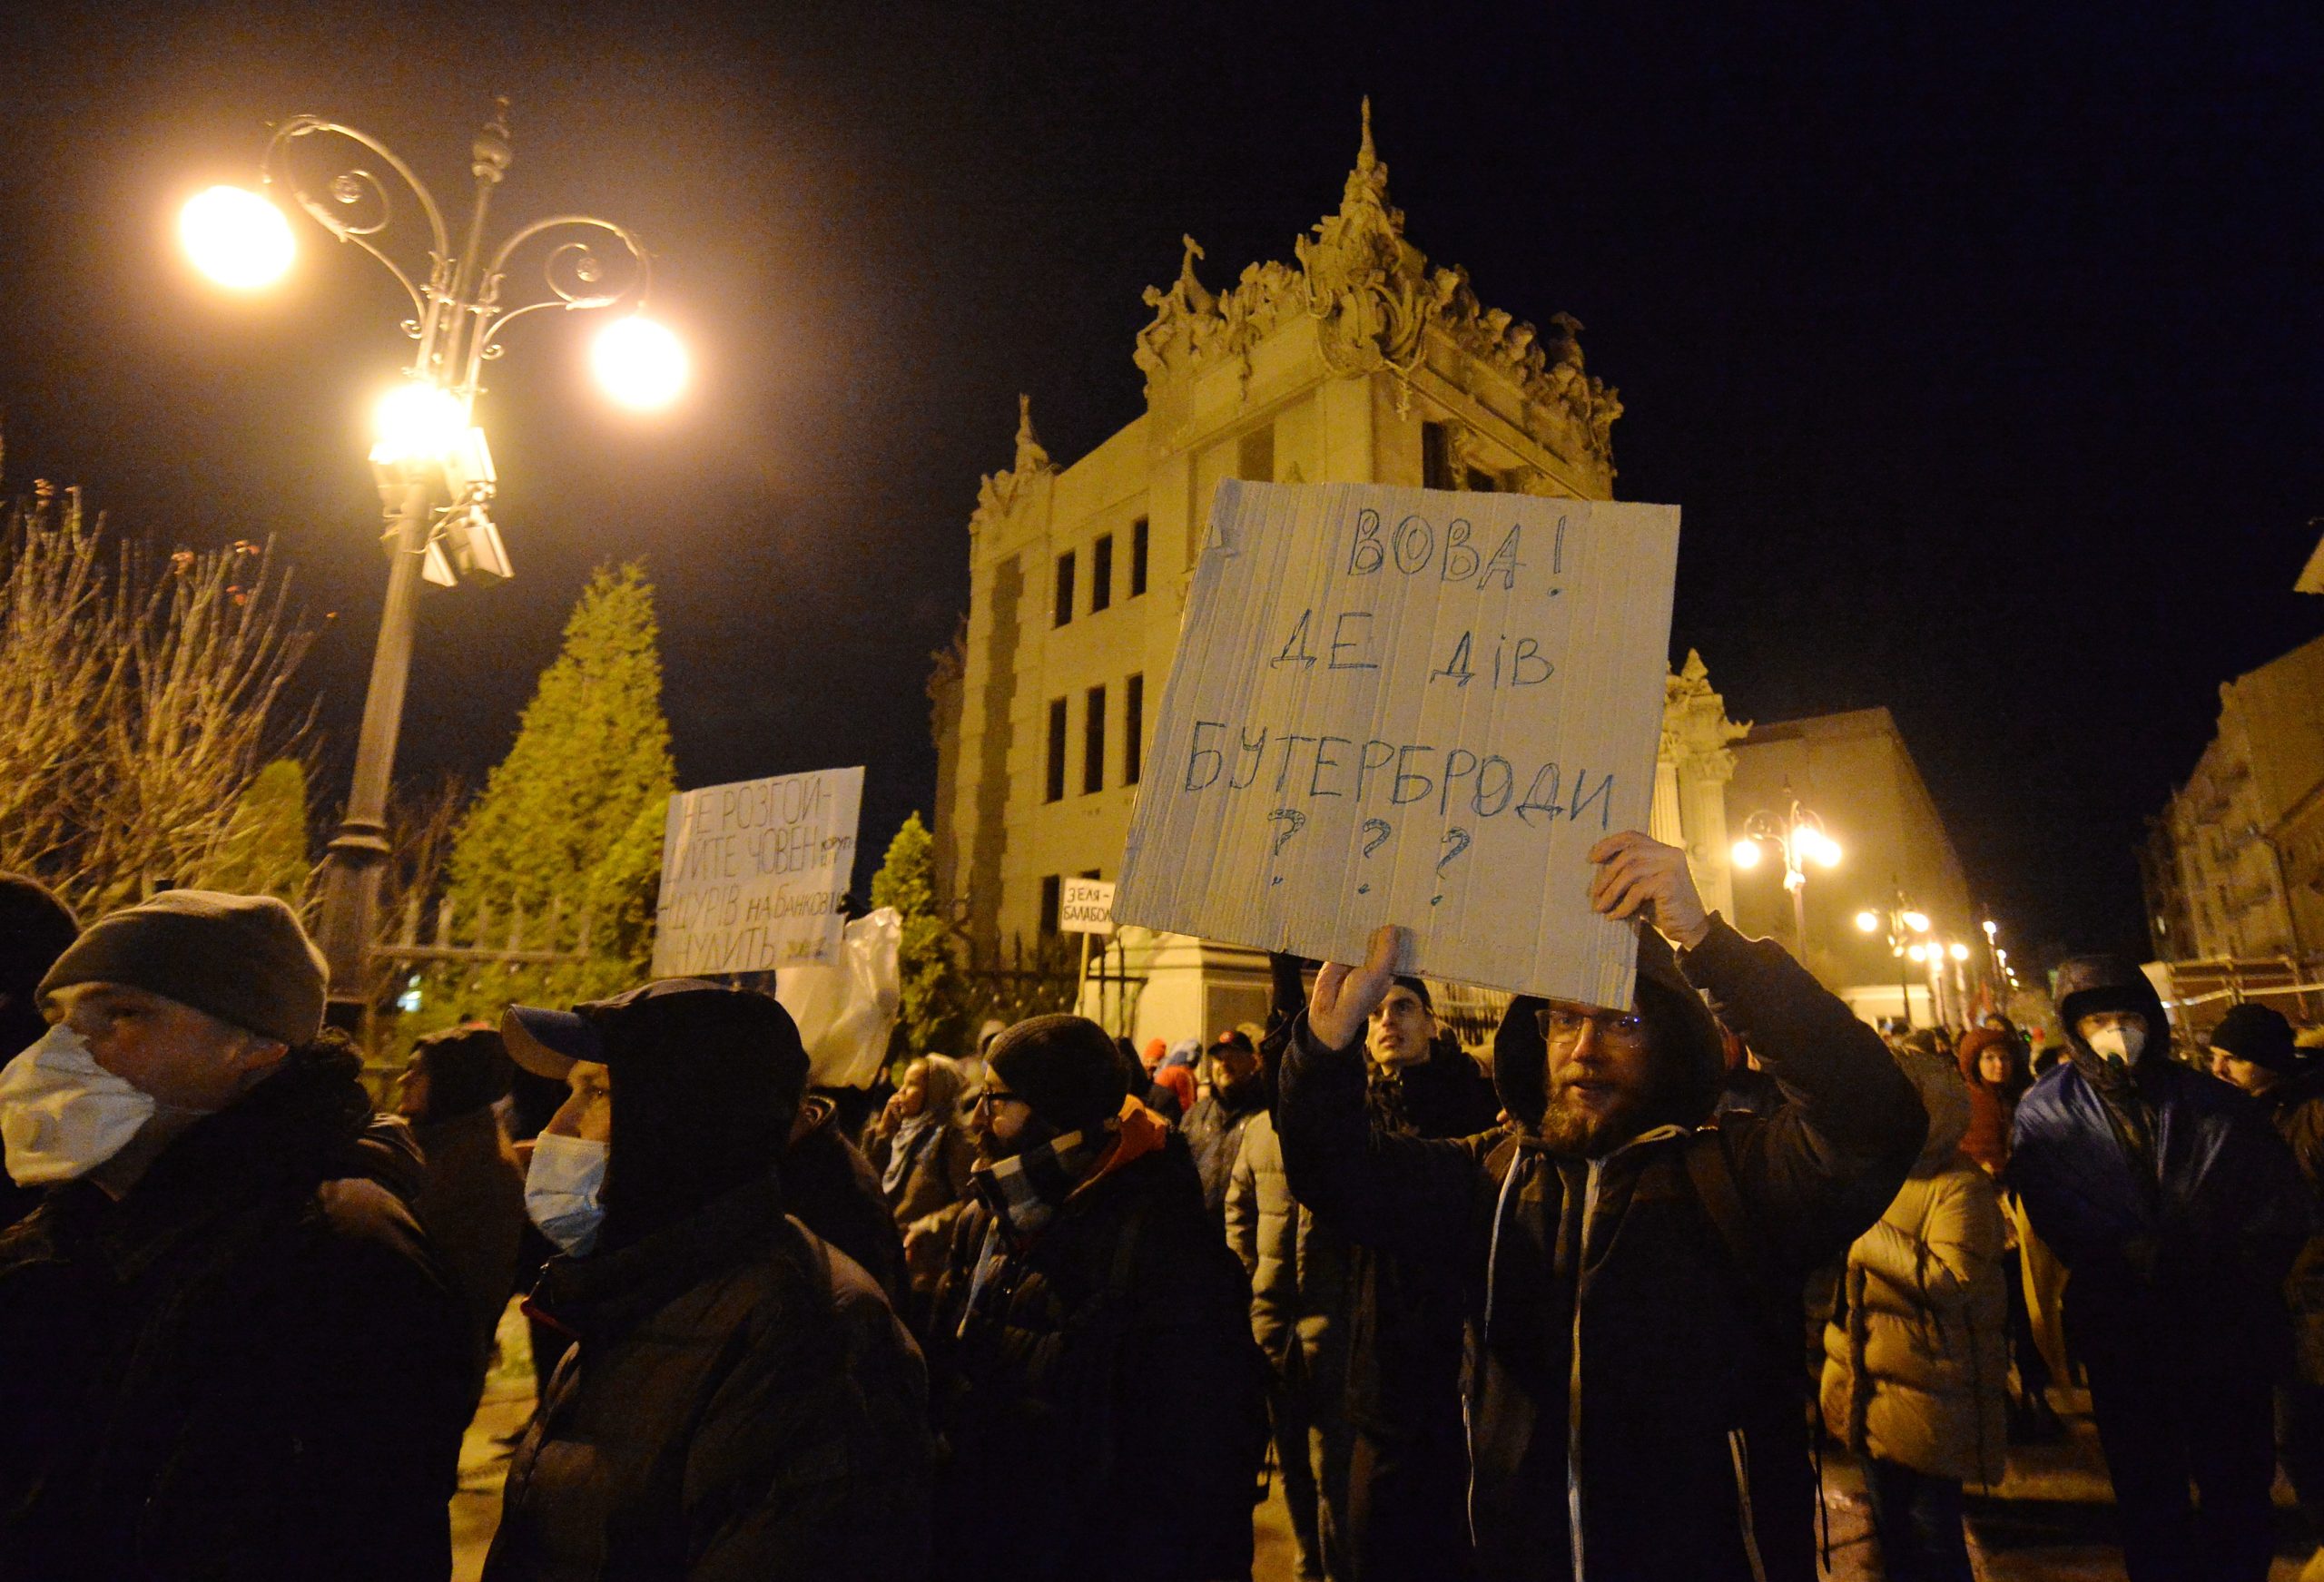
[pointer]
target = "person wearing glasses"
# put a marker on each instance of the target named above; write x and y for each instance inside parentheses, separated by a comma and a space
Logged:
(1096, 1377)
(1635, 1405)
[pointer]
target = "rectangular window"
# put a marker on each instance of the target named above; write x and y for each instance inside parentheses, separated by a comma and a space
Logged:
(1056, 789)
(1102, 573)
(1436, 456)
(1051, 886)
(1093, 742)
(1133, 727)
(1138, 557)
(1065, 587)
(1255, 459)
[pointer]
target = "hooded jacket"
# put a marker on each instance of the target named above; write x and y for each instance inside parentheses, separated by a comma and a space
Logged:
(936, 1154)
(739, 1400)
(2296, 1105)
(248, 1366)
(2199, 1226)
(1916, 1370)
(1990, 1106)
(1103, 1401)
(1634, 1399)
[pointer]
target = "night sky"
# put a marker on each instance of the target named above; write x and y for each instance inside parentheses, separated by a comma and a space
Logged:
(1980, 345)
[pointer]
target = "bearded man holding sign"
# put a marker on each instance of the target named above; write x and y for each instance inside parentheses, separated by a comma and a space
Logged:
(1636, 1400)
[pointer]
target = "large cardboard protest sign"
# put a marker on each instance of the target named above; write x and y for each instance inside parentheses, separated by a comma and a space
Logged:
(1396, 705)
(752, 874)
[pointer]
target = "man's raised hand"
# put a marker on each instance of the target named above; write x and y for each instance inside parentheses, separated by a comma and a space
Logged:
(1345, 997)
(1639, 876)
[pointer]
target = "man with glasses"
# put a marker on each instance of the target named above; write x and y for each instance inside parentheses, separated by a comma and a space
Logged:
(1096, 1374)
(1635, 1403)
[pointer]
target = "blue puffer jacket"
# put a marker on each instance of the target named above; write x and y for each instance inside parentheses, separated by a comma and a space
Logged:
(2210, 1233)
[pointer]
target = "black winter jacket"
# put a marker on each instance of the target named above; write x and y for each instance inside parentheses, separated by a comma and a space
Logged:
(248, 1368)
(740, 1405)
(1628, 1368)
(1107, 1415)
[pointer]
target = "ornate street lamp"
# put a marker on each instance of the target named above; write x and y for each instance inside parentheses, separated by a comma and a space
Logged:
(1799, 839)
(434, 471)
(1905, 928)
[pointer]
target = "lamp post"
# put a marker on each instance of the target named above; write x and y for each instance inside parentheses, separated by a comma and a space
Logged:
(434, 472)
(1903, 925)
(1798, 838)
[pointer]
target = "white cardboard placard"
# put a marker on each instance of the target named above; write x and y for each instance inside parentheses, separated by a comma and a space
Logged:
(1085, 905)
(1395, 705)
(753, 873)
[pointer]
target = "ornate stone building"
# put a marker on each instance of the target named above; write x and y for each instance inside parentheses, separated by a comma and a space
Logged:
(1358, 362)
(2234, 864)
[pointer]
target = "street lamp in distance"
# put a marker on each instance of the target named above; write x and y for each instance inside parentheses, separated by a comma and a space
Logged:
(1903, 924)
(1799, 839)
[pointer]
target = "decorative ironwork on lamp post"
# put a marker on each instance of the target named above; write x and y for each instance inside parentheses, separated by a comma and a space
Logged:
(433, 469)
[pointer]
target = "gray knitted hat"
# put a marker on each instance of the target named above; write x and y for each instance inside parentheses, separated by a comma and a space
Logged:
(242, 959)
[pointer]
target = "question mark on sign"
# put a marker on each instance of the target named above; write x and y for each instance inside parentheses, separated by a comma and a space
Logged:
(1375, 832)
(1456, 840)
(1289, 822)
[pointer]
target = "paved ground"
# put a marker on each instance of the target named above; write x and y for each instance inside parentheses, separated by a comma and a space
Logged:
(2051, 1519)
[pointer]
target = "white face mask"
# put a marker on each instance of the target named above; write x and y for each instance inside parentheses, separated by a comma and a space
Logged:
(62, 1115)
(561, 1190)
(2119, 1045)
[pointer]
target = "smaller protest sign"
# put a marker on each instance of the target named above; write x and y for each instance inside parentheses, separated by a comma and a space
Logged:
(754, 873)
(1086, 906)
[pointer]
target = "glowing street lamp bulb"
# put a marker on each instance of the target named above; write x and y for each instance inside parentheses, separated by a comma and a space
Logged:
(1916, 921)
(641, 364)
(1746, 854)
(236, 238)
(418, 421)
(1867, 921)
(1823, 849)
(1957, 950)
(1990, 927)
(1918, 953)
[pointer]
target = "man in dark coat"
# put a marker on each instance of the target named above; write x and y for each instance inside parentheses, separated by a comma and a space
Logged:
(2252, 1047)
(1096, 1377)
(1635, 1401)
(835, 1193)
(472, 1196)
(2178, 1211)
(1407, 1506)
(226, 1348)
(1214, 1127)
(34, 930)
(740, 1402)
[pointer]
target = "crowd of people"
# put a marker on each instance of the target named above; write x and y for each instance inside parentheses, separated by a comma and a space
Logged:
(1593, 1308)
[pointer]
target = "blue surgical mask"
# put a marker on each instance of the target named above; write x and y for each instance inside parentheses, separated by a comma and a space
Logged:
(562, 1187)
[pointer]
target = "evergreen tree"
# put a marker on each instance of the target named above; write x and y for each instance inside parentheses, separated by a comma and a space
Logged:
(934, 1013)
(264, 849)
(572, 818)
